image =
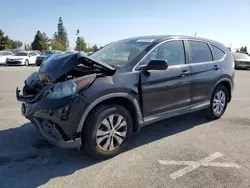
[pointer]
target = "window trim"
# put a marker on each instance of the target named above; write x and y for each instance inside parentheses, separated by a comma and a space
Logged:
(160, 43)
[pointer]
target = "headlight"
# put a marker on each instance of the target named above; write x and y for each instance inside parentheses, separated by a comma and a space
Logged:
(68, 88)
(62, 90)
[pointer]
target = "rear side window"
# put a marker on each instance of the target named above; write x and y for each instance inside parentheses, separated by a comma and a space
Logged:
(217, 53)
(199, 52)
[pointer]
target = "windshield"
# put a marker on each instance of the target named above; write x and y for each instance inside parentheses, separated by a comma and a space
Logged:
(21, 54)
(119, 53)
(240, 56)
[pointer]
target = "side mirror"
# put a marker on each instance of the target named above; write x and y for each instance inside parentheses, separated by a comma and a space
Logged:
(154, 65)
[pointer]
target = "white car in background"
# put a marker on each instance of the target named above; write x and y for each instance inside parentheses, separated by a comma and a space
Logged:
(23, 58)
(4, 55)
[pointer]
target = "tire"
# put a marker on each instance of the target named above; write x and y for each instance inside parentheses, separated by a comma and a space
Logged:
(26, 62)
(211, 111)
(94, 124)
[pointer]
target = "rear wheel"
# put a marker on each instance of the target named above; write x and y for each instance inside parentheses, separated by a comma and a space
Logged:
(218, 102)
(107, 131)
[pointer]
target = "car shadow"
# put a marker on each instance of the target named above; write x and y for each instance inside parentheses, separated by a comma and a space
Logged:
(27, 160)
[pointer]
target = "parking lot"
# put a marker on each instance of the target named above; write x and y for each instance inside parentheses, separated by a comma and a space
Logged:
(185, 151)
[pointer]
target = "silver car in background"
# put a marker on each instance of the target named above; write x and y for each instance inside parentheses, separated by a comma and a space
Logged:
(241, 60)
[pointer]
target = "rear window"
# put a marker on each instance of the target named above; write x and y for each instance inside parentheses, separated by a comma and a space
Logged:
(199, 52)
(217, 53)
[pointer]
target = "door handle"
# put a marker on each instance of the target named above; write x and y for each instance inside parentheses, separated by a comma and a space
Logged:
(185, 72)
(216, 67)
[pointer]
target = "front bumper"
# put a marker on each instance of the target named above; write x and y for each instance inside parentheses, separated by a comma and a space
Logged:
(14, 62)
(243, 65)
(57, 120)
(52, 134)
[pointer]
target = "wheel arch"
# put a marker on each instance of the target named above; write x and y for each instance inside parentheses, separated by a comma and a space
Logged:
(123, 99)
(227, 83)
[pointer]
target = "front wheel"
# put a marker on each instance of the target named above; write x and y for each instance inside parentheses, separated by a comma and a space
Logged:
(107, 131)
(218, 102)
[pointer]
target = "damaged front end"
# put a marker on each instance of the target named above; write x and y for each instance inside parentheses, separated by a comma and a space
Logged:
(52, 100)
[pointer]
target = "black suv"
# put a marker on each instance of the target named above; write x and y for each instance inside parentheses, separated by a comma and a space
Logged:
(98, 101)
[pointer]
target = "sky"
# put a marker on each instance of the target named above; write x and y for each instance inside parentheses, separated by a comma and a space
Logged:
(104, 21)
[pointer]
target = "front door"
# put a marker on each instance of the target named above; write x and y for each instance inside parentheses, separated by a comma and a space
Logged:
(166, 90)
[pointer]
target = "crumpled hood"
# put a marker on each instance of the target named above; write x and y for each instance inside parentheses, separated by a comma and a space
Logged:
(58, 65)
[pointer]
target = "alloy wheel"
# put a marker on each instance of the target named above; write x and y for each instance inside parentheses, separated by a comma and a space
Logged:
(111, 132)
(219, 102)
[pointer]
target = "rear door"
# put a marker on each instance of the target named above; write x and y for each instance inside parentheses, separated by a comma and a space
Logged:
(165, 90)
(205, 71)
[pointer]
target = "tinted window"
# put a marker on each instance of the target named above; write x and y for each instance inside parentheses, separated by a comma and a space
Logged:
(199, 52)
(172, 51)
(21, 54)
(217, 53)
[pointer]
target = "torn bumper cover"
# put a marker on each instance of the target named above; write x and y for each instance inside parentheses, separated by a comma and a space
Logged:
(52, 134)
(52, 119)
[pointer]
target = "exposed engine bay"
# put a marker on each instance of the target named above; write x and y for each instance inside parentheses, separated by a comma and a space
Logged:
(62, 68)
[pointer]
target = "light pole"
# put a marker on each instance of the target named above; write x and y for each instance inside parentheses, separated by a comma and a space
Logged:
(78, 46)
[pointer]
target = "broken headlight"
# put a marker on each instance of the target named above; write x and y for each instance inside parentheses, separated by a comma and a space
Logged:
(68, 88)
(62, 90)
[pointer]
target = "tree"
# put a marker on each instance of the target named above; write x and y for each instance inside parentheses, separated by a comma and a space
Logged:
(29, 47)
(56, 44)
(245, 49)
(80, 43)
(95, 48)
(40, 42)
(5, 42)
(15, 44)
(60, 38)
(19, 44)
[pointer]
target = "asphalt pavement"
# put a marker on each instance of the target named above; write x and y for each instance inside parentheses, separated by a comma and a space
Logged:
(185, 151)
